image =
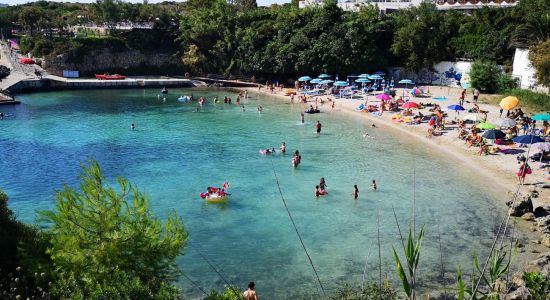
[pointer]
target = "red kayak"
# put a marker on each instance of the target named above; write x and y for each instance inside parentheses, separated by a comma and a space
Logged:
(110, 77)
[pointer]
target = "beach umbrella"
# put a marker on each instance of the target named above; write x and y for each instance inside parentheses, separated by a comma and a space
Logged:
(304, 78)
(379, 73)
(455, 107)
(541, 117)
(509, 103)
(316, 80)
(440, 98)
(341, 83)
(528, 139)
(473, 117)
(324, 76)
(486, 126)
(410, 104)
(364, 76)
(507, 123)
(327, 81)
(375, 77)
(406, 81)
(362, 80)
(542, 146)
(383, 97)
(494, 134)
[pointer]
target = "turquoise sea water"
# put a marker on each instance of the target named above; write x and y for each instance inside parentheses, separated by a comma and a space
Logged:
(176, 152)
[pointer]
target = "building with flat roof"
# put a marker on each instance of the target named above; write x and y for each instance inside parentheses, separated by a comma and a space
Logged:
(389, 5)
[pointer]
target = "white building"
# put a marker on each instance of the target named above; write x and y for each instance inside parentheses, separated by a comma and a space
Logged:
(389, 5)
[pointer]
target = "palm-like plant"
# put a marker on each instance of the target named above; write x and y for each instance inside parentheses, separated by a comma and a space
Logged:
(412, 255)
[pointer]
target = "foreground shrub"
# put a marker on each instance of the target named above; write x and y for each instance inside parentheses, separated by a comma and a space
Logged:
(106, 243)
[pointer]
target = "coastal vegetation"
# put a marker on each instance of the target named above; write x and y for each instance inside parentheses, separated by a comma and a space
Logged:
(99, 242)
(281, 41)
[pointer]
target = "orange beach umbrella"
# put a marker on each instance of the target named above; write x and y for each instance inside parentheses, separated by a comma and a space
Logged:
(509, 102)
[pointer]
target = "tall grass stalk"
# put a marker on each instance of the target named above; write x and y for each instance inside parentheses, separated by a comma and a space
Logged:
(412, 256)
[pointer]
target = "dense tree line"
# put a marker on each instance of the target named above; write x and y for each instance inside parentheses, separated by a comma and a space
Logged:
(237, 37)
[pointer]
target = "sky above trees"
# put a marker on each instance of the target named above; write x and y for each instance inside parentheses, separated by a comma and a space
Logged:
(14, 2)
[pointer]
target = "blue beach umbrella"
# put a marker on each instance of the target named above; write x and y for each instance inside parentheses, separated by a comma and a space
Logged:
(440, 98)
(327, 81)
(541, 117)
(364, 76)
(528, 139)
(362, 80)
(457, 108)
(324, 76)
(304, 78)
(341, 83)
(379, 73)
(406, 82)
(375, 77)
(316, 80)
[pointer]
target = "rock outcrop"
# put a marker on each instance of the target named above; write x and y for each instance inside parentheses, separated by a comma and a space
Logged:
(127, 62)
(522, 206)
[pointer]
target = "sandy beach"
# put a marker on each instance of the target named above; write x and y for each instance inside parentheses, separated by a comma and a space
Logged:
(496, 171)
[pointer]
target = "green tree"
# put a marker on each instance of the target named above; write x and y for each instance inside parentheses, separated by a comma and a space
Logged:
(109, 11)
(30, 17)
(107, 244)
(539, 55)
(535, 23)
(484, 75)
(22, 254)
(421, 37)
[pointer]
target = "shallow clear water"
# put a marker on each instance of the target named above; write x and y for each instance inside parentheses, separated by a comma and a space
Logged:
(177, 151)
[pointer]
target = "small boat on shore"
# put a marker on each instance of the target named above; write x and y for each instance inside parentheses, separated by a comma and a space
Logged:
(110, 77)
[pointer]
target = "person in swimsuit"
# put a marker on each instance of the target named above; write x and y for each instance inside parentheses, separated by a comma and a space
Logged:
(133, 126)
(302, 117)
(318, 126)
(373, 185)
(250, 294)
(283, 148)
(322, 183)
(355, 192)
(317, 192)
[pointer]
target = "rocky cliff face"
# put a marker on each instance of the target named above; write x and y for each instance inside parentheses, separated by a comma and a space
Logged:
(128, 62)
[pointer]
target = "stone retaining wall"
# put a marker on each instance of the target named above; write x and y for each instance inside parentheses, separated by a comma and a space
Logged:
(129, 62)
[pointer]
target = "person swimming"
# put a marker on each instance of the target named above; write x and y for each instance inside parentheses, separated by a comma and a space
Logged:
(283, 148)
(322, 183)
(133, 126)
(373, 185)
(355, 192)
(260, 109)
(244, 109)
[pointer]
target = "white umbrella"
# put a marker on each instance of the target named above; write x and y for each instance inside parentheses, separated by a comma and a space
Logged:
(542, 147)
(473, 117)
(507, 123)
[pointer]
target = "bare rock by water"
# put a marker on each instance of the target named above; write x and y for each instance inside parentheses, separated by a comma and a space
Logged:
(521, 293)
(522, 206)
